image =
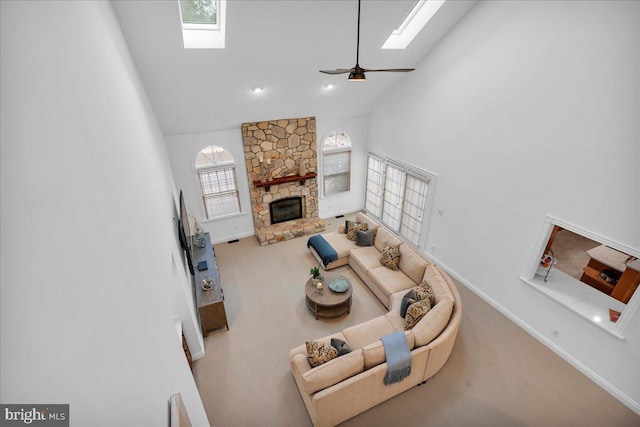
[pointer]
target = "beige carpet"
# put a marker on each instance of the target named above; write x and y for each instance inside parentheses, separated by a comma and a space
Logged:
(498, 375)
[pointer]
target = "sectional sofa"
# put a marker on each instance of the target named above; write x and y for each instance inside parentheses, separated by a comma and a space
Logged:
(352, 383)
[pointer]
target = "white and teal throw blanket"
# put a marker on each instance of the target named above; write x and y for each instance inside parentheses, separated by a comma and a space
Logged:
(398, 355)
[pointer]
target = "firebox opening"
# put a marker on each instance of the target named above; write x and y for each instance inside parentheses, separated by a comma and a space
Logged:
(285, 209)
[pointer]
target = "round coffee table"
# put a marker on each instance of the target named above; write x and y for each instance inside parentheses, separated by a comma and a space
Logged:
(327, 303)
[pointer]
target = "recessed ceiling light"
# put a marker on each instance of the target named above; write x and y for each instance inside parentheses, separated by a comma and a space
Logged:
(329, 86)
(257, 89)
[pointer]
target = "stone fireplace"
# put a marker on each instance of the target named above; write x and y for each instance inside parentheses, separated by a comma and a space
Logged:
(281, 158)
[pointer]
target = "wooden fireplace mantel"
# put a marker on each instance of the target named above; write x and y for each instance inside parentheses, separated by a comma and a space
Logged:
(284, 179)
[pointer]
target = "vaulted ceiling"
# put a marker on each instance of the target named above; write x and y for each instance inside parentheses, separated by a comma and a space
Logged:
(279, 45)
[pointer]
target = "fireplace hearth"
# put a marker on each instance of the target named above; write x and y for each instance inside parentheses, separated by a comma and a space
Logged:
(285, 209)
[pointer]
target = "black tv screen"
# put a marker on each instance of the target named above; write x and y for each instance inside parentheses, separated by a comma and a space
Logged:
(184, 232)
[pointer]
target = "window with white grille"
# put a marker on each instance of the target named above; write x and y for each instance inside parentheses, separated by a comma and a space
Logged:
(392, 203)
(217, 176)
(336, 155)
(399, 196)
(375, 185)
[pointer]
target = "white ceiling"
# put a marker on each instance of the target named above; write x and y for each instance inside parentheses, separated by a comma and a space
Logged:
(279, 45)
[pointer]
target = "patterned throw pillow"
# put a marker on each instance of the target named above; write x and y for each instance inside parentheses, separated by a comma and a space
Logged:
(390, 256)
(415, 312)
(354, 227)
(319, 353)
(424, 291)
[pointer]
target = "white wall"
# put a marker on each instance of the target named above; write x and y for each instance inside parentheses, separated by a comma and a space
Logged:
(183, 150)
(88, 289)
(528, 109)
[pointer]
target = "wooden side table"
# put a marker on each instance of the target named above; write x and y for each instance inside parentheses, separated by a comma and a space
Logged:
(327, 303)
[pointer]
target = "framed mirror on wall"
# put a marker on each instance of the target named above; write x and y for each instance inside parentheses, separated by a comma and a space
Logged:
(592, 275)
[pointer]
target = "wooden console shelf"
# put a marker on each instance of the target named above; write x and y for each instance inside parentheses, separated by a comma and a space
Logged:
(210, 303)
(284, 179)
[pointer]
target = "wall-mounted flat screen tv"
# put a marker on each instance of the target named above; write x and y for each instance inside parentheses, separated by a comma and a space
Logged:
(184, 233)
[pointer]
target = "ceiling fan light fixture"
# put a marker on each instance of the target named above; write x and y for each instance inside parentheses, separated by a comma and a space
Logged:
(356, 76)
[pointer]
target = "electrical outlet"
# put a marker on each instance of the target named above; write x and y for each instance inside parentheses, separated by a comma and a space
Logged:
(556, 333)
(441, 212)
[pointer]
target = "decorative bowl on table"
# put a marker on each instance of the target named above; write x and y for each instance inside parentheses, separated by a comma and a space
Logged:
(339, 284)
(208, 283)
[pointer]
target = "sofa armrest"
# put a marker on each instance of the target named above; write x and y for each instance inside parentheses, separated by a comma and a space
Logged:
(300, 364)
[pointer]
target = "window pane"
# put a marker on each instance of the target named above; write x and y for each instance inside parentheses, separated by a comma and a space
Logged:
(336, 183)
(337, 163)
(375, 173)
(415, 195)
(222, 204)
(219, 191)
(392, 205)
(199, 11)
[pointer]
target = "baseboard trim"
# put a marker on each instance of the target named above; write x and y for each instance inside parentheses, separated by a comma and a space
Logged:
(611, 389)
(224, 239)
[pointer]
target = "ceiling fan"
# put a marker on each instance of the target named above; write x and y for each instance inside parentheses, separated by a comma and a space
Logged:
(357, 73)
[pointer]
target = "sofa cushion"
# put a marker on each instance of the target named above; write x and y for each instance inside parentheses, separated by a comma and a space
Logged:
(412, 264)
(364, 238)
(339, 243)
(319, 352)
(384, 235)
(434, 322)
(367, 332)
(366, 257)
(395, 319)
(390, 256)
(415, 312)
(425, 291)
(440, 288)
(333, 372)
(389, 281)
(340, 345)
(374, 353)
(395, 300)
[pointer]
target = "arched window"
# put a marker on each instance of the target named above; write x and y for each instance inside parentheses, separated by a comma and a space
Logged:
(336, 155)
(217, 175)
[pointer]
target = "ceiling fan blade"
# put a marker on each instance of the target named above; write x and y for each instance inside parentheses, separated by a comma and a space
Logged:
(357, 73)
(337, 71)
(393, 70)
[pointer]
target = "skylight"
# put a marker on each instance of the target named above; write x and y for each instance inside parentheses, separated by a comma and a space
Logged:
(414, 21)
(203, 23)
